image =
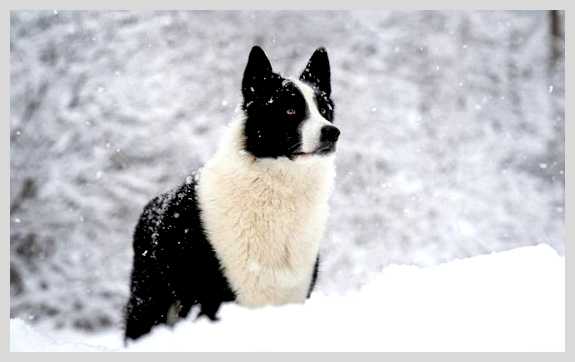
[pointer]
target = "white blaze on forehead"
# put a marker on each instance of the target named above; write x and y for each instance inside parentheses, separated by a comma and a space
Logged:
(312, 125)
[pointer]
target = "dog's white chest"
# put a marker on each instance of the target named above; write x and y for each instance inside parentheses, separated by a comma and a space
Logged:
(266, 233)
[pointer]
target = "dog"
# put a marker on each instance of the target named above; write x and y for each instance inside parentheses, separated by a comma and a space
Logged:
(246, 227)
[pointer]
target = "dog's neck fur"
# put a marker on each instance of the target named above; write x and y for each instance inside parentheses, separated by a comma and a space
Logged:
(265, 218)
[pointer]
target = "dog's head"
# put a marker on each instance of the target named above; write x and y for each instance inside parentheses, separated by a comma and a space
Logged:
(286, 117)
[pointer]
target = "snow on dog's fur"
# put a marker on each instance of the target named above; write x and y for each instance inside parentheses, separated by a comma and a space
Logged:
(247, 227)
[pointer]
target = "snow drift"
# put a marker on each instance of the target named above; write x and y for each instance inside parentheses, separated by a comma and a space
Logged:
(508, 301)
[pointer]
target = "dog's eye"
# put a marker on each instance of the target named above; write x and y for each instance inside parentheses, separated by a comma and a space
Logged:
(323, 111)
(290, 112)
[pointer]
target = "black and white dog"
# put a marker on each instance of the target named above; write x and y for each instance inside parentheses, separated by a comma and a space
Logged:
(247, 226)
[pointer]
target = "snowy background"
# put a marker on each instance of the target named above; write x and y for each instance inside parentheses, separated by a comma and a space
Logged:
(452, 138)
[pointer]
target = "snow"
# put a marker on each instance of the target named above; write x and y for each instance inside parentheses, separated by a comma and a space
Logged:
(507, 301)
(457, 136)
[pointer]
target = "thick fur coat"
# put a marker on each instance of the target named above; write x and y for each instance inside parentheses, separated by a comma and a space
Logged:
(247, 226)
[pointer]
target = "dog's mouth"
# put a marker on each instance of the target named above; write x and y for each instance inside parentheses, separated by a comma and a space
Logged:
(324, 149)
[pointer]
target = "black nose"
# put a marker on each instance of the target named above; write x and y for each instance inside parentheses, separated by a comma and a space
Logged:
(329, 134)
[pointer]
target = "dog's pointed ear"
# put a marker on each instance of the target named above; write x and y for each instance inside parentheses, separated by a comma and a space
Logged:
(317, 71)
(257, 71)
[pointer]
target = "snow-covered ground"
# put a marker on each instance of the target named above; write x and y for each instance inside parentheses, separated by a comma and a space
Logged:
(507, 301)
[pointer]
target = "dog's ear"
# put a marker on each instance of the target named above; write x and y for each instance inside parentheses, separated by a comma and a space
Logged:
(257, 71)
(317, 71)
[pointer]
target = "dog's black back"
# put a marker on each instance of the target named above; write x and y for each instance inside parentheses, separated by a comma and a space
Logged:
(174, 264)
